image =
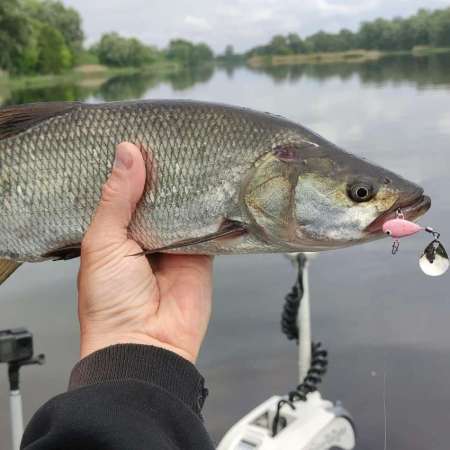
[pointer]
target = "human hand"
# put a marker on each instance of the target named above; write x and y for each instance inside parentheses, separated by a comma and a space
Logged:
(123, 299)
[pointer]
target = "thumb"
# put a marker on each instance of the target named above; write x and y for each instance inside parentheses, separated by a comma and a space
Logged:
(120, 195)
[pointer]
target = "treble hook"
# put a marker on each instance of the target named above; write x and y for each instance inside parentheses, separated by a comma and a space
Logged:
(395, 246)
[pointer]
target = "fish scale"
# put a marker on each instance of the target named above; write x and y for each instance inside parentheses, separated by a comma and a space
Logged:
(199, 150)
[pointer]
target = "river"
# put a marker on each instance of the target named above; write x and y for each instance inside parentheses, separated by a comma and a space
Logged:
(385, 324)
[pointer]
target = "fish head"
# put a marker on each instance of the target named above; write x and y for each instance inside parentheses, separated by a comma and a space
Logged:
(315, 196)
(342, 200)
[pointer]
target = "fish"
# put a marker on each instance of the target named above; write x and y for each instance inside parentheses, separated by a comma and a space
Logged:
(220, 180)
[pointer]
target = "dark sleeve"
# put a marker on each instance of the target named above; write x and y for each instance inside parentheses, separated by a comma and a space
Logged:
(131, 397)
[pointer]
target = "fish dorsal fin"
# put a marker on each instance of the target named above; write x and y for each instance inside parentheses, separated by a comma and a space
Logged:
(16, 119)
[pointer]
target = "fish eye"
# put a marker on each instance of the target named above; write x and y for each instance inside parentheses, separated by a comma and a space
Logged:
(360, 192)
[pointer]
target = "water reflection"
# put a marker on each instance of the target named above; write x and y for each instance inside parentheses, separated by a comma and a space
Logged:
(126, 87)
(112, 89)
(136, 86)
(57, 92)
(422, 71)
(184, 80)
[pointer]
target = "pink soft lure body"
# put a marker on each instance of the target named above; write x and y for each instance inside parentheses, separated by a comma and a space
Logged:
(398, 228)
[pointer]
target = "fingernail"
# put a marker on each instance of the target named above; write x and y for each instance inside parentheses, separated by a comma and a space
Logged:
(123, 160)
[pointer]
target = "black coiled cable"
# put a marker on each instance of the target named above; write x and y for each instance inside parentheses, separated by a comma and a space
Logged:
(318, 368)
(292, 303)
(319, 356)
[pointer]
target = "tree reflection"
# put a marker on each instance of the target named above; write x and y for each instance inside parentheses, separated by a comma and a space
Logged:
(112, 89)
(59, 92)
(187, 78)
(423, 71)
(126, 87)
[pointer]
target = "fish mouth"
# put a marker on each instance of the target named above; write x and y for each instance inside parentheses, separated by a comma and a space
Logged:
(412, 208)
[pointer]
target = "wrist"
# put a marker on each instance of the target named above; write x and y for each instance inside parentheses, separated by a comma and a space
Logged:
(93, 342)
(142, 363)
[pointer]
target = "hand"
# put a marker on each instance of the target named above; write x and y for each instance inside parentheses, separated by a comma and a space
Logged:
(125, 299)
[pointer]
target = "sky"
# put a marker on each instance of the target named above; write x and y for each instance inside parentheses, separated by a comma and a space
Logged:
(242, 23)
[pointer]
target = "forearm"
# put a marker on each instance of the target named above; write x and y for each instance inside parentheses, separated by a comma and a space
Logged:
(125, 396)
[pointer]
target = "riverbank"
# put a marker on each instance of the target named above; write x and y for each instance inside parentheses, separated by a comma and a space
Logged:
(85, 74)
(351, 56)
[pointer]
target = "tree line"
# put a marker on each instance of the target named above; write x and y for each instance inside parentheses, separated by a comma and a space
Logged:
(115, 50)
(46, 37)
(426, 28)
(38, 36)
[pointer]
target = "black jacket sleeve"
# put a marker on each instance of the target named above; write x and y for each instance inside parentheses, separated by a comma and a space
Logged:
(125, 397)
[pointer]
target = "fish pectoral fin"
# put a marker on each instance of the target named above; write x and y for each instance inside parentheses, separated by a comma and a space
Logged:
(16, 119)
(64, 253)
(7, 268)
(228, 229)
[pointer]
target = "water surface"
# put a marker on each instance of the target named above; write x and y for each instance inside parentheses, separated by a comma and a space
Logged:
(379, 316)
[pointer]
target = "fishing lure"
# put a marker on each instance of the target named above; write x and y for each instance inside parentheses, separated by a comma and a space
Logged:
(434, 259)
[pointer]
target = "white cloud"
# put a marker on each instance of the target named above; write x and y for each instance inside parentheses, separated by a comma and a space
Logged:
(198, 23)
(261, 15)
(350, 8)
(228, 11)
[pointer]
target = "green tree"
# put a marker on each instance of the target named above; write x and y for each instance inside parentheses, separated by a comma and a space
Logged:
(368, 36)
(54, 55)
(322, 42)
(440, 28)
(345, 40)
(279, 45)
(140, 54)
(387, 35)
(64, 19)
(115, 50)
(180, 50)
(229, 52)
(295, 43)
(420, 24)
(201, 53)
(111, 50)
(423, 28)
(14, 34)
(188, 54)
(230, 58)
(404, 34)
(29, 56)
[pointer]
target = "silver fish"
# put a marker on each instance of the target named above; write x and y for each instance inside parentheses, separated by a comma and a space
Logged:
(221, 180)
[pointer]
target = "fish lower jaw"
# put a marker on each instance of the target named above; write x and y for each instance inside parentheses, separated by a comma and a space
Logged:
(411, 211)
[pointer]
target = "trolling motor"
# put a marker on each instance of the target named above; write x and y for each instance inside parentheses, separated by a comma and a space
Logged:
(301, 420)
(16, 350)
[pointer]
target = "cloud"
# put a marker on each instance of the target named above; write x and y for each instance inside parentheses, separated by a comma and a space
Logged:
(262, 15)
(348, 8)
(197, 23)
(243, 23)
